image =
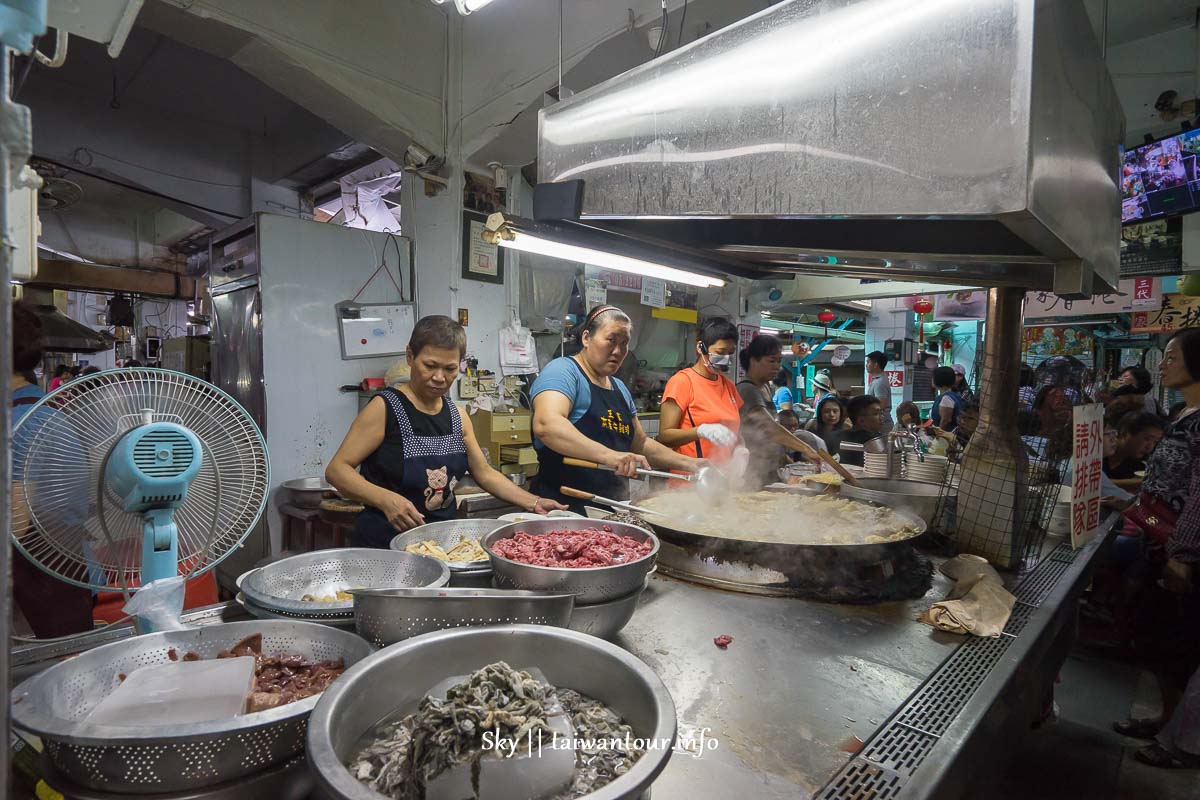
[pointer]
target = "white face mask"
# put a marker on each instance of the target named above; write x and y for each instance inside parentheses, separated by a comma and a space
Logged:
(720, 363)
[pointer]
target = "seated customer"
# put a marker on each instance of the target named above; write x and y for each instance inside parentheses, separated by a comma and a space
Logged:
(968, 421)
(1139, 433)
(829, 423)
(864, 412)
(788, 419)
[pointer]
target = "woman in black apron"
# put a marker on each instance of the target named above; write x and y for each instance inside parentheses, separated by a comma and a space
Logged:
(581, 410)
(413, 447)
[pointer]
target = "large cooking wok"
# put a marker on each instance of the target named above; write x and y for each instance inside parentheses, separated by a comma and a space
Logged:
(835, 572)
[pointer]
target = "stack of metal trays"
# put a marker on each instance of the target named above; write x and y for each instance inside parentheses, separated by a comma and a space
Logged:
(447, 534)
(200, 759)
(277, 591)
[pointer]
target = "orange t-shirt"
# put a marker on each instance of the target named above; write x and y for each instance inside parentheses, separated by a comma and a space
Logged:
(703, 401)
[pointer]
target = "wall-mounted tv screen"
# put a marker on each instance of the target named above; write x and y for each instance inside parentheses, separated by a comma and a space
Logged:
(1161, 179)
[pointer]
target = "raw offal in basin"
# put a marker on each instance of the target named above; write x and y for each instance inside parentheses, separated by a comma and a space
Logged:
(592, 547)
(447, 739)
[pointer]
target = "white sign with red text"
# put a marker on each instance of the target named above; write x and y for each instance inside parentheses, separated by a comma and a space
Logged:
(1087, 458)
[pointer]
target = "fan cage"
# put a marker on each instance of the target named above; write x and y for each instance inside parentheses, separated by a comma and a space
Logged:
(59, 450)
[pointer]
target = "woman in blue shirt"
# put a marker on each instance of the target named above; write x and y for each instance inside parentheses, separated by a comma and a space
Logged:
(582, 410)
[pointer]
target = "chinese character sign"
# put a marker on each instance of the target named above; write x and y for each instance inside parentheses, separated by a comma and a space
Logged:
(1178, 311)
(895, 378)
(746, 334)
(1087, 464)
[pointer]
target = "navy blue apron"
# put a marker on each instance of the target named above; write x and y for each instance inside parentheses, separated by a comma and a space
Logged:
(608, 421)
(421, 467)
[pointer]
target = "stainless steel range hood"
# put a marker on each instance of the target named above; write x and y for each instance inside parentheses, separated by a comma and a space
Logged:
(962, 141)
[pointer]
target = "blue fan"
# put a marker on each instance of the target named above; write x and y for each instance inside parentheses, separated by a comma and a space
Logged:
(128, 476)
(151, 469)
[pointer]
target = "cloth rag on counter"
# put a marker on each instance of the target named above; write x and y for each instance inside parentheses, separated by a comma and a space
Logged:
(978, 603)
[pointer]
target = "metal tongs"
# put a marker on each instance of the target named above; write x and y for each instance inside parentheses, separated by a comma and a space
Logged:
(709, 478)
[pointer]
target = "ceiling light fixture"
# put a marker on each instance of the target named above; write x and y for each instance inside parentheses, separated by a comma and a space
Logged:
(465, 7)
(503, 232)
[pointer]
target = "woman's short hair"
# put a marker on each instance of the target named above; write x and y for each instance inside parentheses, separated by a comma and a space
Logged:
(944, 376)
(26, 337)
(438, 331)
(1189, 343)
(1141, 377)
(908, 407)
(716, 329)
(761, 346)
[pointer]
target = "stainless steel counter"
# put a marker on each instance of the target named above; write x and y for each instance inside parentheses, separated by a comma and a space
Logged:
(799, 682)
(805, 684)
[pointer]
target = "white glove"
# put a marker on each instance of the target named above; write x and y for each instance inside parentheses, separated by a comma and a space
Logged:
(717, 434)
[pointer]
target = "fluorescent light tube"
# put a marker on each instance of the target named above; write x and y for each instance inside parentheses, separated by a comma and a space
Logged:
(599, 258)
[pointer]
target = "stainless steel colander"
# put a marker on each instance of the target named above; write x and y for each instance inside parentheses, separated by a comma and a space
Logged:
(170, 758)
(387, 616)
(279, 586)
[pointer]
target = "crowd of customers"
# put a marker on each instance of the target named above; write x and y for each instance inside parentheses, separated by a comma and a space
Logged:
(1148, 590)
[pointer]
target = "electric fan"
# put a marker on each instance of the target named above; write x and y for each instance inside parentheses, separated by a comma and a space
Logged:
(128, 476)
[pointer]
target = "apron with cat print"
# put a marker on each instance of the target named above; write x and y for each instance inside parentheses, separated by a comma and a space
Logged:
(422, 458)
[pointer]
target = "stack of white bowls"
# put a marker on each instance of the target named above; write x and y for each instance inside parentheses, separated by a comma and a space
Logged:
(1060, 518)
(931, 470)
(875, 465)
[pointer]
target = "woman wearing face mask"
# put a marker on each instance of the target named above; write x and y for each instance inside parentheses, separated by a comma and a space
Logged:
(700, 405)
(582, 410)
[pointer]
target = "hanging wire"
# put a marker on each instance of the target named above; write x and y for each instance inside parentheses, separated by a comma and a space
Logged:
(662, 35)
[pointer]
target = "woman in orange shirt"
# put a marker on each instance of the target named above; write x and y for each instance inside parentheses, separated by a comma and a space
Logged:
(700, 405)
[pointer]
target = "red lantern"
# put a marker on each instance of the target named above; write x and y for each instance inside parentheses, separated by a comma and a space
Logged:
(826, 317)
(922, 307)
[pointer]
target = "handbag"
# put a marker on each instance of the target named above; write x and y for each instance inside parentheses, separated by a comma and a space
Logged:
(1155, 517)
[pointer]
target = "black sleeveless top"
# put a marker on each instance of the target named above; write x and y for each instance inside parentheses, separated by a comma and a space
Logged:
(422, 457)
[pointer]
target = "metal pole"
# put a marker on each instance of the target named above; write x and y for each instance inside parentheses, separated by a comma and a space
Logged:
(6, 371)
(560, 86)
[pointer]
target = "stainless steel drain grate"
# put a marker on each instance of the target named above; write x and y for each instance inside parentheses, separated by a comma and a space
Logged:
(863, 781)
(882, 768)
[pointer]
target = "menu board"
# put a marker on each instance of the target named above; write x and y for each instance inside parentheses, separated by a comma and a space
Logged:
(1088, 463)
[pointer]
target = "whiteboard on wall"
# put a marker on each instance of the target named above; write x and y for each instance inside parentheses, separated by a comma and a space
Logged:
(368, 330)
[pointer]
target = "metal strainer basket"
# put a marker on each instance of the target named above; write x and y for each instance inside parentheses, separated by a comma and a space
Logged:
(447, 534)
(170, 758)
(279, 586)
(387, 616)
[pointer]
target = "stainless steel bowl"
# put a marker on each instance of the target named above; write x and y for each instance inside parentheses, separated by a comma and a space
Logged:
(401, 675)
(387, 616)
(279, 585)
(170, 758)
(307, 492)
(916, 497)
(447, 534)
(606, 620)
(588, 584)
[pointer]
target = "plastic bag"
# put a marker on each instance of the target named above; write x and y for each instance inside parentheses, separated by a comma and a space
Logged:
(518, 356)
(158, 605)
